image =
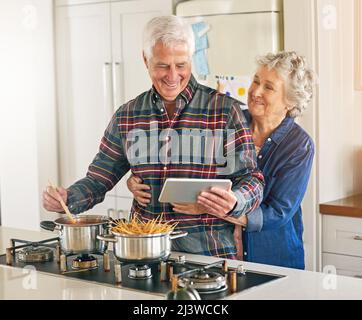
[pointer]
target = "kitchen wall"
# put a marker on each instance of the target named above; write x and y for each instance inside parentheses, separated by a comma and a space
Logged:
(300, 35)
(27, 109)
(323, 31)
(340, 106)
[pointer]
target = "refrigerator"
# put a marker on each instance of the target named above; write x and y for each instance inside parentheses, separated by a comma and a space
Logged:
(229, 35)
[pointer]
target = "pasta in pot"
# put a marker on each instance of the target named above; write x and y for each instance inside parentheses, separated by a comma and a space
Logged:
(138, 227)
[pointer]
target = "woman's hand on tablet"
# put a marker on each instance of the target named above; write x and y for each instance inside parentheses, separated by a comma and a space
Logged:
(217, 202)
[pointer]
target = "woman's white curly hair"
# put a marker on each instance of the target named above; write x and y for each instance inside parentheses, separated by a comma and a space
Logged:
(298, 78)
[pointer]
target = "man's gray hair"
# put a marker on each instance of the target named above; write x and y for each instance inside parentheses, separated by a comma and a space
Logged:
(170, 30)
(299, 80)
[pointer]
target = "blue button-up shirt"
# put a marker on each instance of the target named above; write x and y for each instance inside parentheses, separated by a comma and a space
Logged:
(274, 231)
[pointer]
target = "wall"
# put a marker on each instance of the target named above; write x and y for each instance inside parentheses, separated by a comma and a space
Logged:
(357, 158)
(27, 118)
(323, 31)
(174, 4)
(340, 111)
(300, 36)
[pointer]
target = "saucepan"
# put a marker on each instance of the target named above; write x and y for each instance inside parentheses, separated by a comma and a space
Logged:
(144, 248)
(80, 235)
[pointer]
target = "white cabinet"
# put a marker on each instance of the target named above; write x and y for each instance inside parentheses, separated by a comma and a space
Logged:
(28, 137)
(345, 265)
(342, 244)
(99, 67)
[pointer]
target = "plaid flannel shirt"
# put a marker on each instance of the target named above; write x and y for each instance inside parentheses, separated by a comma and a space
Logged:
(197, 108)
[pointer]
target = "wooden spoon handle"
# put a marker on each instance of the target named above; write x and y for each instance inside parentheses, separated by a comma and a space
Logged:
(62, 203)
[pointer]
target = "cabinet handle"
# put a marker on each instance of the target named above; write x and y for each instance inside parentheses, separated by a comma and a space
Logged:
(359, 238)
(124, 214)
(110, 212)
(357, 276)
(118, 85)
(107, 90)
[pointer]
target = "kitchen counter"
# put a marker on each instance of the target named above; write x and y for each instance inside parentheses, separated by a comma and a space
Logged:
(16, 283)
(349, 207)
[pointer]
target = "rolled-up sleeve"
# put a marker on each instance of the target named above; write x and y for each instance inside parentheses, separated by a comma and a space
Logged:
(255, 220)
(248, 180)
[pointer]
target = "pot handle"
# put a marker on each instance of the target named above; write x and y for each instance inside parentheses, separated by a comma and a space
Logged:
(106, 237)
(48, 225)
(178, 234)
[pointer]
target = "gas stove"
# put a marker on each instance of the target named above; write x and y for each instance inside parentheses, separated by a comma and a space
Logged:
(211, 281)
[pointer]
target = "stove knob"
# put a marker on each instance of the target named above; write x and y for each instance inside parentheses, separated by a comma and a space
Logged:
(181, 259)
(240, 269)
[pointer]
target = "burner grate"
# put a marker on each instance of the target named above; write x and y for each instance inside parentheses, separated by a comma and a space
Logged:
(32, 251)
(159, 283)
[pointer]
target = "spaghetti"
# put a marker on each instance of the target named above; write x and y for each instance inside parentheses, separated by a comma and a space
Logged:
(138, 227)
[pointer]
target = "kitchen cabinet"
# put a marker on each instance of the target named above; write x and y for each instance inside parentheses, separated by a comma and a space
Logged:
(28, 136)
(342, 244)
(99, 67)
(75, 2)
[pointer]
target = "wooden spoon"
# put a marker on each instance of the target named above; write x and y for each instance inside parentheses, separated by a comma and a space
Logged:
(64, 206)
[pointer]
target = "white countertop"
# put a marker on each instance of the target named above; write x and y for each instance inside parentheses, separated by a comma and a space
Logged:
(16, 283)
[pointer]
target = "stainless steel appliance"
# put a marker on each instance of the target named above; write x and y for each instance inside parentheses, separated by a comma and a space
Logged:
(79, 236)
(211, 281)
(141, 248)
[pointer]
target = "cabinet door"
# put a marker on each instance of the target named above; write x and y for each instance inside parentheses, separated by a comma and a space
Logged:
(345, 265)
(75, 2)
(130, 76)
(128, 20)
(342, 235)
(123, 205)
(108, 207)
(83, 55)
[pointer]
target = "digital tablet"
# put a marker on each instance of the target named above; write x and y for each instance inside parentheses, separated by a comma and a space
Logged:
(187, 190)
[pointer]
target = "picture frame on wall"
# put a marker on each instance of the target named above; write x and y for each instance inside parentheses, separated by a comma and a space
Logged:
(358, 45)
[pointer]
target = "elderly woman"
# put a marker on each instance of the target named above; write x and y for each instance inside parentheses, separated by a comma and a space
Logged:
(281, 90)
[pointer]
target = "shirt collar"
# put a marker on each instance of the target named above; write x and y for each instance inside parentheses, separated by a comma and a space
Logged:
(187, 94)
(281, 131)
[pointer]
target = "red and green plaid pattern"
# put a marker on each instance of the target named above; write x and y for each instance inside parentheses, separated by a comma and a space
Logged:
(197, 108)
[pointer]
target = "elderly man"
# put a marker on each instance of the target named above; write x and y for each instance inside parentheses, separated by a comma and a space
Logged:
(151, 136)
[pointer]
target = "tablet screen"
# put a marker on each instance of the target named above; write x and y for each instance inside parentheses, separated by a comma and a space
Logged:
(186, 190)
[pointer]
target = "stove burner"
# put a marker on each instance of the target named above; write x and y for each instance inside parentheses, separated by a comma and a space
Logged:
(204, 281)
(85, 262)
(209, 280)
(35, 254)
(140, 272)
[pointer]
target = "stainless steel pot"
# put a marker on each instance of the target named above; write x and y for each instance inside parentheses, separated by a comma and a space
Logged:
(80, 237)
(141, 248)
